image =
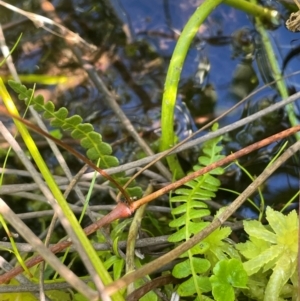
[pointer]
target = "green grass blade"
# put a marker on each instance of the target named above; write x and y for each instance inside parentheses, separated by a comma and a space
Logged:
(69, 215)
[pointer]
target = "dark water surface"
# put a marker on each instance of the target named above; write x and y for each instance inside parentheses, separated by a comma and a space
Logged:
(135, 41)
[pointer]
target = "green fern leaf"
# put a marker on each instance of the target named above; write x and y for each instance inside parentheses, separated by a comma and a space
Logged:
(49, 108)
(39, 103)
(188, 213)
(92, 137)
(218, 249)
(72, 121)
(183, 269)
(24, 93)
(56, 123)
(95, 148)
(194, 285)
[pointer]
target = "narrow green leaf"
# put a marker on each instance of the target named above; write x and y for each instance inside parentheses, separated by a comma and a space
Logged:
(110, 262)
(204, 194)
(256, 229)
(180, 209)
(178, 222)
(118, 268)
(196, 213)
(253, 265)
(212, 180)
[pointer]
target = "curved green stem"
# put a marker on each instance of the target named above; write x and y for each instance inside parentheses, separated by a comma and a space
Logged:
(255, 10)
(275, 69)
(173, 76)
(178, 58)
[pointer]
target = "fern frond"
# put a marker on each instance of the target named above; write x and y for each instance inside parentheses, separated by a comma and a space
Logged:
(90, 140)
(188, 213)
(189, 208)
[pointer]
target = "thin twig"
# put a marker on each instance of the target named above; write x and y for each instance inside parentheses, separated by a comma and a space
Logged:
(34, 287)
(211, 135)
(14, 189)
(188, 145)
(68, 34)
(108, 96)
(38, 119)
(40, 21)
(38, 245)
(49, 196)
(175, 253)
(5, 266)
(132, 237)
(123, 211)
(140, 243)
(224, 161)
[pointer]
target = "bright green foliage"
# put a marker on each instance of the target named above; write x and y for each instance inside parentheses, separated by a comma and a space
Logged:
(217, 248)
(89, 139)
(58, 295)
(188, 213)
(227, 275)
(17, 296)
(272, 251)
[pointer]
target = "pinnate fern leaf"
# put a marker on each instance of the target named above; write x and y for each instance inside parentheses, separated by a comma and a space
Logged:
(189, 208)
(188, 213)
(89, 139)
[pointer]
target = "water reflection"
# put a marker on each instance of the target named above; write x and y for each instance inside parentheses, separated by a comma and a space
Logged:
(135, 41)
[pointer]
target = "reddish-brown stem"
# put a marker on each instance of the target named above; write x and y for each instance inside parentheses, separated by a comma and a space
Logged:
(69, 149)
(120, 211)
(151, 285)
(221, 162)
(124, 210)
